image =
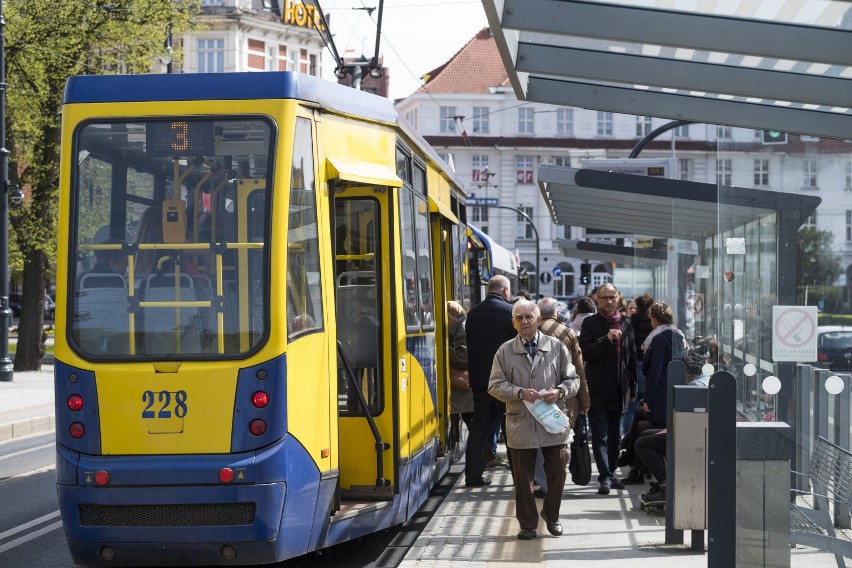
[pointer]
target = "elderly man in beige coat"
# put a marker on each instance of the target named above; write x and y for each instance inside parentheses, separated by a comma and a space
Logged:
(530, 367)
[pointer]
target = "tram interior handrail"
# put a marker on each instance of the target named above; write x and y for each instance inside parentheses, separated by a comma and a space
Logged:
(381, 446)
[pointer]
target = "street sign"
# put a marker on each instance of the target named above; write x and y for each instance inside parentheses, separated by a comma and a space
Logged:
(483, 201)
(557, 272)
(545, 277)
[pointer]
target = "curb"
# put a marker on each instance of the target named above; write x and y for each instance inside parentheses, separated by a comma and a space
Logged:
(35, 425)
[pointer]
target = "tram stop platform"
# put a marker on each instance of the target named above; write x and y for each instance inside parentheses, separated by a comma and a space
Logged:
(477, 527)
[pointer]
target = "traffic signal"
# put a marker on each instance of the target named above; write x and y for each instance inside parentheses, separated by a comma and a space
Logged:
(773, 137)
(586, 273)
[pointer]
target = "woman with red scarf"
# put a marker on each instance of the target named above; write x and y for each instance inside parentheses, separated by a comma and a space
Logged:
(609, 353)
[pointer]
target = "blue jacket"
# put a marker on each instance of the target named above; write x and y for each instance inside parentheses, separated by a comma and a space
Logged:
(489, 325)
(665, 347)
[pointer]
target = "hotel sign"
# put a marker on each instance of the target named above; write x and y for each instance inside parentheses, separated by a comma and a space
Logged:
(302, 15)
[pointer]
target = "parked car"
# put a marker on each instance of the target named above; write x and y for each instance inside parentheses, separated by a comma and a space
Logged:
(834, 347)
(15, 304)
(49, 307)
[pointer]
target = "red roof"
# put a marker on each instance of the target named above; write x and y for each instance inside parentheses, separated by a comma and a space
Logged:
(474, 69)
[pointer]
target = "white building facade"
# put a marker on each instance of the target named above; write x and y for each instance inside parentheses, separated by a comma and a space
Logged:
(497, 143)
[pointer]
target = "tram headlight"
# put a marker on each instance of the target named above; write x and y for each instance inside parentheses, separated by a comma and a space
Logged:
(75, 402)
(257, 427)
(76, 430)
(260, 399)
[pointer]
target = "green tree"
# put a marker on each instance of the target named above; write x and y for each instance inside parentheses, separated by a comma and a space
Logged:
(818, 265)
(48, 41)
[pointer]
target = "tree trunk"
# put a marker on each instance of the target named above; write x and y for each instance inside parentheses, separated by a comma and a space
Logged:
(31, 338)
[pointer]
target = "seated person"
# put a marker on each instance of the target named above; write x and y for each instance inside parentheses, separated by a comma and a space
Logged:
(109, 261)
(651, 446)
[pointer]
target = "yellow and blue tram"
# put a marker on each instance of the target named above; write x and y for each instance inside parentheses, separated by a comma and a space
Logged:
(250, 358)
(488, 258)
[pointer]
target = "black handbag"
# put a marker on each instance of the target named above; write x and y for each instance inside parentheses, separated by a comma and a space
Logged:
(580, 464)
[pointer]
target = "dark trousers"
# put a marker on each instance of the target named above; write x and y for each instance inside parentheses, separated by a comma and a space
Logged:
(523, 470)
(651, 449)
(606, 439)
(485, 409)
(639, 425)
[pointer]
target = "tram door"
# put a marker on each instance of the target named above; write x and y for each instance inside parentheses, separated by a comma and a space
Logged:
(363, 294)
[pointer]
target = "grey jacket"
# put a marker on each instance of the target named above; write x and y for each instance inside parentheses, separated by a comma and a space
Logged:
(512, 371)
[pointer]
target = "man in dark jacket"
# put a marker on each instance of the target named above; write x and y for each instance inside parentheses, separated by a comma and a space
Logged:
(489, 325)
(609, 353)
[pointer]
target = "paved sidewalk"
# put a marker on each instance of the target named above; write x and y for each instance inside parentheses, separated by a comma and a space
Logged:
(26, 404)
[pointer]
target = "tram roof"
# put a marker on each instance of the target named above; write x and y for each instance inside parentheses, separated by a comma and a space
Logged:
(246, 86)
(660, 207)
(771, 65)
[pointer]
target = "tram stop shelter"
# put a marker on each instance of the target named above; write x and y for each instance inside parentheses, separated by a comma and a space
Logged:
(729, 253)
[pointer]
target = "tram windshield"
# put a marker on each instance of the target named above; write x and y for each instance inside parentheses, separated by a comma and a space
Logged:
(167, 245)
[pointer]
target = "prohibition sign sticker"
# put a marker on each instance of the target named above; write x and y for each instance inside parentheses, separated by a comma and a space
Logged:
(794, 336)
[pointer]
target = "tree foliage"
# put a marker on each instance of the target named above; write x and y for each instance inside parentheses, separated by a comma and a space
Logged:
(818, 265)
(48, 41)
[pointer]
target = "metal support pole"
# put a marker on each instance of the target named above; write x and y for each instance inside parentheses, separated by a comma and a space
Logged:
(6, 368)
(537, 240)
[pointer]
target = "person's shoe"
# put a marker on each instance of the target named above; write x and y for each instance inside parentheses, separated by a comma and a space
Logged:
(496, 461)
(481, 482)
(553, 527)
(539, 493)
(658, 495)
(527, 534)
(634, 477)
(616, 483)
(605, 486)
(654, 487)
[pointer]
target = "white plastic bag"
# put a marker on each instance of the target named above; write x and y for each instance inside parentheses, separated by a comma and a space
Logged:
(549, 415)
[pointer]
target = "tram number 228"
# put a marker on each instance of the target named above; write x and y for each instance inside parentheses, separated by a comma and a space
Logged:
(164, 400)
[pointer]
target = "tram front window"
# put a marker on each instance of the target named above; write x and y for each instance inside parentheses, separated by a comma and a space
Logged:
(168, 244)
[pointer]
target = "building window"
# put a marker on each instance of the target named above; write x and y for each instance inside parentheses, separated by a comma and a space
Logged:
(563, 161)
(761, 172)
(271, 58)
(256, 54)
(643, 126)
(810, 222)
(524, 169)
(809, 174)
(681, 131)
(211, 55)
(564, 122)
(848, 226)
(684, 167)
(411, 117)
(480, 120)
(292, 60)
(526, 120)
(525, 228)
(604, 123)
(315, 68)
(480, 163)
(848, 175)
(304, 62)
(724, 132)
(448, 119)
(724, 172)
(479, 216)
(282, 58)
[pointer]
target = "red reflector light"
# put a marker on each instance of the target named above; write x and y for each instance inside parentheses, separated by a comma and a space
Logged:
(822, 357)
(257, 427)
(260, 399)
(226, 475)
(75, 402)
(76, 430)
(101, 477)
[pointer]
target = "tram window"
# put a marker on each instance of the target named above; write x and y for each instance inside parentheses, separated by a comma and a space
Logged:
(424, 262)
(403, 165)
(124, 168)
(409, 258)
(304, 295)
